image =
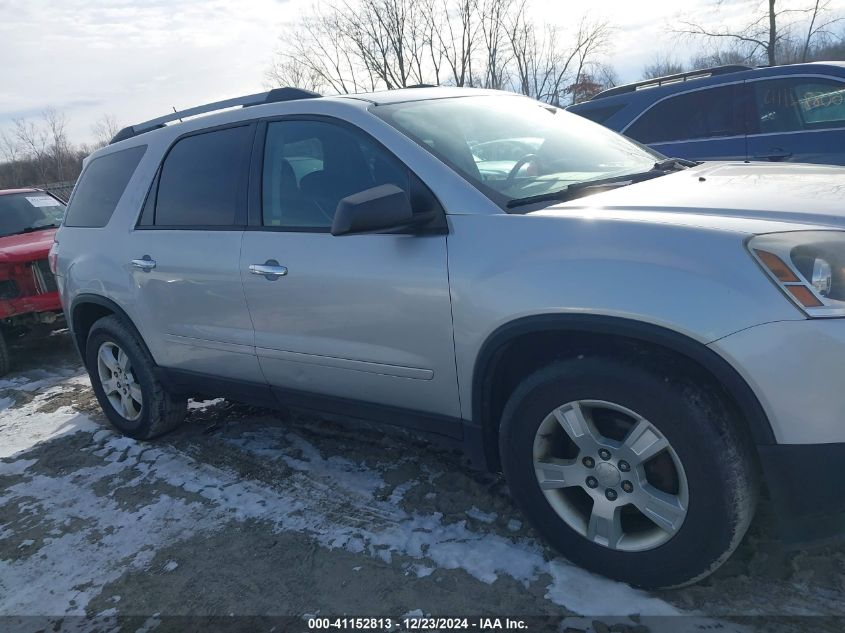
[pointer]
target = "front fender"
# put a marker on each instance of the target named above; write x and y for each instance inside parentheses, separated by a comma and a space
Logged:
(698, 283)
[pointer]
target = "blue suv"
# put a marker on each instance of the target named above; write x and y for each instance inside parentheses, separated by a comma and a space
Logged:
(780, 113)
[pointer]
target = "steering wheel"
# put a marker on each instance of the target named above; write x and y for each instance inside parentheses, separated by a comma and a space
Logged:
(522, 162)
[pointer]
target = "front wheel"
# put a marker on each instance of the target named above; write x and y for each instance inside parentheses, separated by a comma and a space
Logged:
(637, 473)
(131, 395)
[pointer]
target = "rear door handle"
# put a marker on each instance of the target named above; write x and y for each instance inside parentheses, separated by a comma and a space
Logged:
(776, 153)
(145, 263)
(270, 270)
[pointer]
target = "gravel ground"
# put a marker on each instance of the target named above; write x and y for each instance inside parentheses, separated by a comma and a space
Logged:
(250, 512)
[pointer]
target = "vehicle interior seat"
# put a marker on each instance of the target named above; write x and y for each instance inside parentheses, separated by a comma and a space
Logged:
(345, 171)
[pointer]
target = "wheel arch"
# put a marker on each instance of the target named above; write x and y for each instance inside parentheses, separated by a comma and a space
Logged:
(585, 332)
(85, 310)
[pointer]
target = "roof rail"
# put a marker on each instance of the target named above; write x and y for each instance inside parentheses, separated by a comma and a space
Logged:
(272, 96)
(668, 79)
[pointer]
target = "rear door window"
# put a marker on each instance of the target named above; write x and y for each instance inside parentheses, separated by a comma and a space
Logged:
(100, 187)
(796, 104)
(701, 114)
(203, 180)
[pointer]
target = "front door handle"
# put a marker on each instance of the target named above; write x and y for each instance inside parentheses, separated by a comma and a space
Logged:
(146, 263)
(775, 154)
(270, 270)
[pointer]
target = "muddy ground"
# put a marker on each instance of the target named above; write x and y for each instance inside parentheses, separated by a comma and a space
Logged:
(250, 512)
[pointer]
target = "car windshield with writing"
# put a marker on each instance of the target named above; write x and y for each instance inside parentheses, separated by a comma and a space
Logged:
(29, 211)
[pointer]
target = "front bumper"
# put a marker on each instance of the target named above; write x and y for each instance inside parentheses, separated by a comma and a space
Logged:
(47, 302)
(797, 371)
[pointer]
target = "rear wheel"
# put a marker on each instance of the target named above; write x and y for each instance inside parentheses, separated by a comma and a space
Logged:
(633, 472)
(121, 371)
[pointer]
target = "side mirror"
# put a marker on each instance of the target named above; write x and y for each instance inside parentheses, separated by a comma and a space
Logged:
(373, 210)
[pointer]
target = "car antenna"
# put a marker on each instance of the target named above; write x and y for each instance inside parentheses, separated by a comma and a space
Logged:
(176, 112)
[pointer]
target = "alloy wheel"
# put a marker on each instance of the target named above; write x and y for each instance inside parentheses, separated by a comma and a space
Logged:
(118, 381)
(611, 475)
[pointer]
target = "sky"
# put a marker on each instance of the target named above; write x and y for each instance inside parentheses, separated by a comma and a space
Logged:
(138, 59)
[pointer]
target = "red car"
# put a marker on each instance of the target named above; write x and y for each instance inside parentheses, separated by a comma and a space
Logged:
(29, 300)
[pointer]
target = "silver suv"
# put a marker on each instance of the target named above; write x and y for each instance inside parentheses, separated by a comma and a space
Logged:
(641, 345)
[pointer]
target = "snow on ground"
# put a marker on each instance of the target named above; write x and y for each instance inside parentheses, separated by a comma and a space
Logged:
(22, 428)
(331, 500)
(95, 523)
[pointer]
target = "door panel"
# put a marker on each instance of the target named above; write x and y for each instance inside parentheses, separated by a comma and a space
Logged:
(827, 147)
(185, 256)
(359, 317)
(194, 300)
(364, 317)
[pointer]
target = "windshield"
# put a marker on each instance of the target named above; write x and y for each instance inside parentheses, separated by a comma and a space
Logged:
(29, 211)
(513, 148)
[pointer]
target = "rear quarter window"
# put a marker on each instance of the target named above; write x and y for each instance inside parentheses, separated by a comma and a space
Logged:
(600, 114)
(100, 187)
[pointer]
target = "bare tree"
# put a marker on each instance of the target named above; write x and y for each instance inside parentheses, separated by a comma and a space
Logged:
(720, 57)
(526, 48)
(494, 15)
(34, 152)
(315, 49)
(421, 41)
(819, 25)
(387, 39)
(545, 68)
(104, 130)
(285, 71)
(10, 147)
(390, 44)
(430, 28)
(58, 146)
(592, 39)
(32, 139)
(771, 26)
(761, 34)
(606, 75)
(11, 150)
(661, 66)
(454, 37)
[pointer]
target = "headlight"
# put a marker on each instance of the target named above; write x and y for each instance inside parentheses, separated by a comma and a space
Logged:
(809, 266)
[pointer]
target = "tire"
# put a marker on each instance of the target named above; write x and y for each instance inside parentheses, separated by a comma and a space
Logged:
(152, 410)
(703, 495)
(5, 357)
